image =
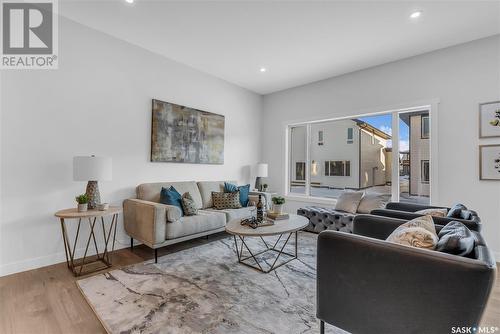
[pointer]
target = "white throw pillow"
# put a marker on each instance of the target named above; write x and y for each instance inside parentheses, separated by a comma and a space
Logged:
(371, 202)
(348, 201)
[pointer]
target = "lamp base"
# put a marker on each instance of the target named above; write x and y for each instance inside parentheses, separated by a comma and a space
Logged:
(92, 193)
(258, 184)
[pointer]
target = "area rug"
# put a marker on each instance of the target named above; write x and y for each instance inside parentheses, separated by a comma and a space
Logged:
(205, 290)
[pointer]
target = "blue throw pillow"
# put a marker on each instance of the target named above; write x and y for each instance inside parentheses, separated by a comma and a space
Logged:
(244, 191)
(230, 188)
(171, 196)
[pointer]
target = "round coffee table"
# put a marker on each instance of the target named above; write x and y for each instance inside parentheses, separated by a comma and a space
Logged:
(286, 227)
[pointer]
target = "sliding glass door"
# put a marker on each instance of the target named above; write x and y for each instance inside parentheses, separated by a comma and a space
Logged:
(414, 153)
(297, 162)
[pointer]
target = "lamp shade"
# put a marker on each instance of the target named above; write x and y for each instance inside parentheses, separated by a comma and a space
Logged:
(92, 168)
(261, 170)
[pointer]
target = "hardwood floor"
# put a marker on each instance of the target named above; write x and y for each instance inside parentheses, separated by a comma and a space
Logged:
(47, 300)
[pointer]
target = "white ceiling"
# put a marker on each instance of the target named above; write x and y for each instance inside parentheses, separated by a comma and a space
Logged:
(298, 42)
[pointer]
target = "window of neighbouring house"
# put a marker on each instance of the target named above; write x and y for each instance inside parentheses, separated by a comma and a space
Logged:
(320, 137)
(337, 168)
(425, 128)
(350, 135)
(425, 174)
(300, 171)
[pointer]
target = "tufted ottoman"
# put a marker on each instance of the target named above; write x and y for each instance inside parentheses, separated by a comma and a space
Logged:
(321, 219)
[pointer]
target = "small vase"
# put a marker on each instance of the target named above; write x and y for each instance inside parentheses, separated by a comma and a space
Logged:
(82, 207)
(278, 208)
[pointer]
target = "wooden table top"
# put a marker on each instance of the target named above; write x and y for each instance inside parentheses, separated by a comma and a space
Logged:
(294, 223)
(73, 213)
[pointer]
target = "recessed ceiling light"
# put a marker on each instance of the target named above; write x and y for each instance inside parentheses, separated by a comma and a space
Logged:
(416, 14)
(130, 1)
(263, 69)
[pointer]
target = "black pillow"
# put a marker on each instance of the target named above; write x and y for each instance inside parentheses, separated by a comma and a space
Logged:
(456, 211)
(455, 238)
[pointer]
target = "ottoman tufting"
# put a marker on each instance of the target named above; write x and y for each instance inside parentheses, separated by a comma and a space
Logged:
(321, 219)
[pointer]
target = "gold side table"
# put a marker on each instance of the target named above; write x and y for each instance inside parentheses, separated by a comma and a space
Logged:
(92, 216)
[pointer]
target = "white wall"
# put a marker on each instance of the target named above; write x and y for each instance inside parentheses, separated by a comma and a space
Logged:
(99, 102)
(373, 165)
(460, 77)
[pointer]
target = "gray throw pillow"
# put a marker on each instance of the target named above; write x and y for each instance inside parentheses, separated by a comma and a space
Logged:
(456, 210)
(455, 238)
(188, 205)
(348, 201)
(222, 200)
(371, 202)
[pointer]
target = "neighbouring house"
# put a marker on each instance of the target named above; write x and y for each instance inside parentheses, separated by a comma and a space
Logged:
(345, 154)
(418, 156)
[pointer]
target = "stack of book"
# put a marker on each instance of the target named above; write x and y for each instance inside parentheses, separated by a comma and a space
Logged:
(277, 216)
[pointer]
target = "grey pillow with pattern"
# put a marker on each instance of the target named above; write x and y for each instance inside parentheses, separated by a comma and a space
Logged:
(223, 200)
(188, 205)
(419, 232)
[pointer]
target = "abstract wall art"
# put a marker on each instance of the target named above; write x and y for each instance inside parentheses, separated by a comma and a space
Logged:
(186, 135)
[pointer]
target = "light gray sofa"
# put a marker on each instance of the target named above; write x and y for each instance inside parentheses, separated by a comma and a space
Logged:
(157, 225)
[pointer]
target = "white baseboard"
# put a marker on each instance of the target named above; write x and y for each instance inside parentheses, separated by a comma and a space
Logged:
(497, 256)
(47, 260)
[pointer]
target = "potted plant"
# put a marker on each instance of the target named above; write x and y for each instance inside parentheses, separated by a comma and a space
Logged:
(83, 201)
(278, 204)
(264, 187)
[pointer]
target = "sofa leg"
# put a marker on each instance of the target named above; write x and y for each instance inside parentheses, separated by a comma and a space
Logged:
(132, 244)
(156, 255)
(322, 327)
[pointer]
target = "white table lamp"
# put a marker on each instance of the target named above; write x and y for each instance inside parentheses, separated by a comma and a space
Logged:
(260, 172)
(92, 169)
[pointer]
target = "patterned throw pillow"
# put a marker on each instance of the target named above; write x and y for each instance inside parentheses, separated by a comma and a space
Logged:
(419, 232)
(188, 205)
(433, 212)
(222, 200)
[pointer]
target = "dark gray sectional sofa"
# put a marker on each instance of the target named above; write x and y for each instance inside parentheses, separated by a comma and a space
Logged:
(400, 289)
(321, 219)
(407, 211)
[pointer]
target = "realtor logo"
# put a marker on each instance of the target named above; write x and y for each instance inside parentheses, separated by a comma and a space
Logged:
(29, 34)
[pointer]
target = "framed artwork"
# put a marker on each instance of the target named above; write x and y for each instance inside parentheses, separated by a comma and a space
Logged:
(186, 135)
(489, 162)
(489, 119)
